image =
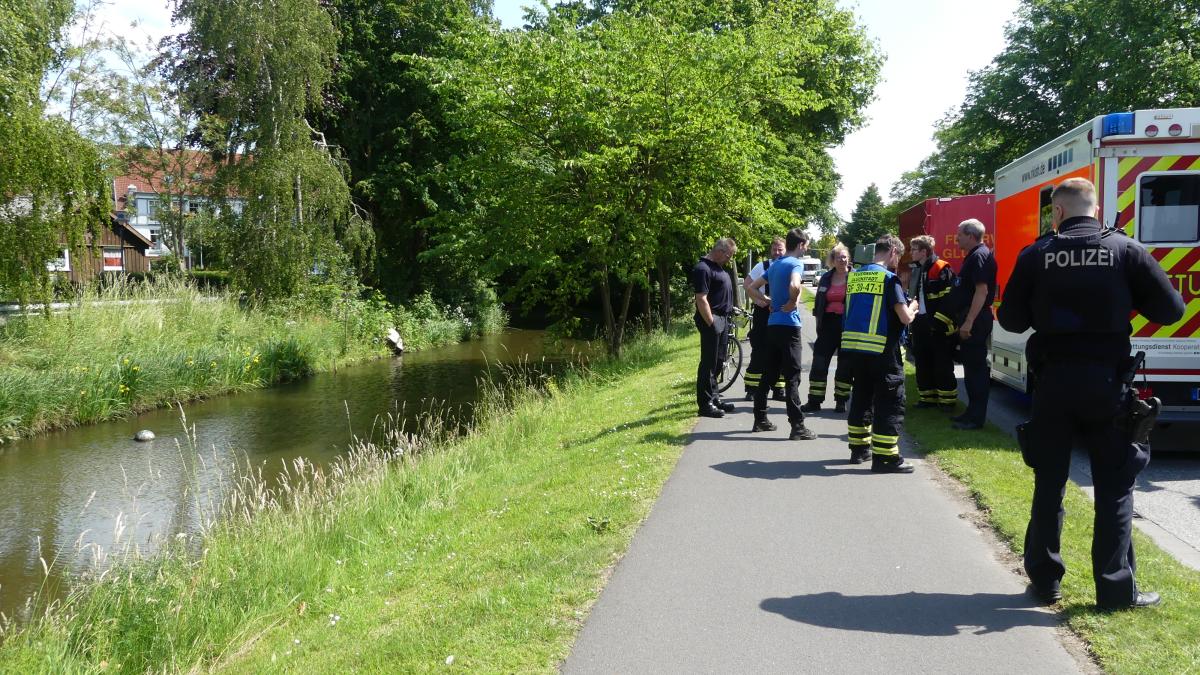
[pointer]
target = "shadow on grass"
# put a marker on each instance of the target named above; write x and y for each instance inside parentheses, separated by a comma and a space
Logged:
(790, 469)
(676, 413)
(929, 614)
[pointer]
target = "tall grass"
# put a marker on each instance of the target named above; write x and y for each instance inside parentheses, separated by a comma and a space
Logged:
(380, 524)
(127, 348)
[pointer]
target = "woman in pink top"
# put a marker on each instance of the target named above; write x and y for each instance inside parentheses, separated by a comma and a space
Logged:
(828, 310)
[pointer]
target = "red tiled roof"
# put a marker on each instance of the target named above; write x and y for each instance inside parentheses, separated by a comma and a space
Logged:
(146, 179)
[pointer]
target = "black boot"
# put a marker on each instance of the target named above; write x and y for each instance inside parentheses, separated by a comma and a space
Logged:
(778, 394)
(892, 464)
(761, 423)
(801, 433)
(840, 407)
(859, 455)
(812, 406)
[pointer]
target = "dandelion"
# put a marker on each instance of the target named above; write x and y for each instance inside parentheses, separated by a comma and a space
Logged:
(125, 361)
(212, 364)
(137, 369)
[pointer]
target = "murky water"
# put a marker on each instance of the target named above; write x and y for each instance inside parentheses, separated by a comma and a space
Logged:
(64, 494)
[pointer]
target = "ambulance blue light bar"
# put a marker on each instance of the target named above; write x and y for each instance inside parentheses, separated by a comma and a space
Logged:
(1117, 124)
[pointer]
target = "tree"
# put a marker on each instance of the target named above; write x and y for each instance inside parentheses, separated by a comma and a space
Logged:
(51, 182)
(867, 221)
(613, 147)
(253, 73)
(1064, 63)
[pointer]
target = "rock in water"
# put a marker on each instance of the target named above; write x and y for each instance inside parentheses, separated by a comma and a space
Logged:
(144, 435)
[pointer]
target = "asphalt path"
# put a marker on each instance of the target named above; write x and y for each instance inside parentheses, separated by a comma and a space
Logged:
(1167, 495)
(768, 555)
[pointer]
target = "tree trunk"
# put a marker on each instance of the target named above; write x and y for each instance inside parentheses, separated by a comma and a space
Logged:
(609, 319)
(624, 316)
(664, 293)
(646, 301)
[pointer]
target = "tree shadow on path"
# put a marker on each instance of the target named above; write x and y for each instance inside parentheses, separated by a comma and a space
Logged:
(932, 614)
(791, 469)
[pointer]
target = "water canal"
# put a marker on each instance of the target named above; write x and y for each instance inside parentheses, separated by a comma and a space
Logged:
(68, 495)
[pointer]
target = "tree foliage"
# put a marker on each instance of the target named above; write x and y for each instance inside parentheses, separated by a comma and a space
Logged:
(616, 144)
(1063, 63)
(51, 183)
(867, 221)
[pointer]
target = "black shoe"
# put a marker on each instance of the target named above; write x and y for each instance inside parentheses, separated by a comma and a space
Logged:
(948, 407)
(859, 457)
(711, 412)
(891, 465)
(1047, 595)
(811, 407)
(779, 395)
(801, 433)
(749, 396)
(1147, 599)
(959, 418)
(967, 425)
(724, 406)
(763, 424)
(840, 407)
(925, 404)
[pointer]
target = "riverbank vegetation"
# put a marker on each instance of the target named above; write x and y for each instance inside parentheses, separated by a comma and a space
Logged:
(480, 552)
(988, 463)
(128, 348)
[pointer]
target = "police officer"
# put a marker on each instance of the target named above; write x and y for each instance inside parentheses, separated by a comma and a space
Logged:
(1076, 288)
(758, 327)
(970, 303)
(714, 303)
(932, 330)
(877, 311)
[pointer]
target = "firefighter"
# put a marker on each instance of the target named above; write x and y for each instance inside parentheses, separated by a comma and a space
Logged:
(1076, 287)
(877, 312)
(829, 309)
(932, 332)
(758, 324)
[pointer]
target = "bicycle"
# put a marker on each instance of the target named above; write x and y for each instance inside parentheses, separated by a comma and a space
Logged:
(736, 328)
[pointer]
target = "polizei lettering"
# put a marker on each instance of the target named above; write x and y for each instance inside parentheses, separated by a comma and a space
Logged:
(1081, 257)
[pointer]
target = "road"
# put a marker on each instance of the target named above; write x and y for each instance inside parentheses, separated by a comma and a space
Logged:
(1167, 497)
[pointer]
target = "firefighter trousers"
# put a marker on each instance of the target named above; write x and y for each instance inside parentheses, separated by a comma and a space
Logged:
(829, 342)
(784, 349)
(758, 352)
(933, 354)
(876, 412)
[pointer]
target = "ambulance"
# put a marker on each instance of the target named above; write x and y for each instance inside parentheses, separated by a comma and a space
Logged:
(1146, 167)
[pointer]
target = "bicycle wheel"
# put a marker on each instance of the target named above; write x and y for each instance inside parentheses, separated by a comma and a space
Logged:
(731, 368)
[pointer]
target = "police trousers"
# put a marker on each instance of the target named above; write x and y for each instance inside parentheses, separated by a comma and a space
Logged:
(829, 342)
(785, 347)
(933, 355)
(876, 412)
(758, 351)
(1078, 401)
(714, 348)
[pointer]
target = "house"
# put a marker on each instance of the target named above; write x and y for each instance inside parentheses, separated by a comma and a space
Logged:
(117, 248)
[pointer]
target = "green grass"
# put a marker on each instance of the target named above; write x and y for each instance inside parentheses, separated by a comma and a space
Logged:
(489, 549)
(1160, 640)
(129, 348)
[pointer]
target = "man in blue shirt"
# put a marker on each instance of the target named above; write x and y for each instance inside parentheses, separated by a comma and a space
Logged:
(784, 343)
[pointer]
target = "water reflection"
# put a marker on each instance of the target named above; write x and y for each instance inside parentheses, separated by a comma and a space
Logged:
(94, 486)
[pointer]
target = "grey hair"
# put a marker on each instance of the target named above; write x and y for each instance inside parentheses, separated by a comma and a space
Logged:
(725, 245)
(972, 227)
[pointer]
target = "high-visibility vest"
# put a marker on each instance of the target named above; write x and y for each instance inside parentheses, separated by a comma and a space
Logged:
(865, 327)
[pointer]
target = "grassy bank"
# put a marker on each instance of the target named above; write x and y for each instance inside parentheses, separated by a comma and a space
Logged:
(482, 555)
(130, 348)
(988, 462)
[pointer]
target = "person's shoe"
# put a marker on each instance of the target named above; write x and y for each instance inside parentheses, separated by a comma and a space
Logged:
(811, 407)
(778, 395)
(959, 418)
(801, 433)
(967, 425)
(840, 407)
(1046, 594)
(925, 404)
(763, 424)
(895, 464)
(858, 457)
(711, 412)
(749, 396)
(724, 406)
(1143, 599)
(948, 407)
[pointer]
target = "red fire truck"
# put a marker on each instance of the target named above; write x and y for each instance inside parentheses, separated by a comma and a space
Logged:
(1146, 167)
(939, 218)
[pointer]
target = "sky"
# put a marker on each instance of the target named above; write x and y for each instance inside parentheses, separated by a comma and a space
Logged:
(931, 47)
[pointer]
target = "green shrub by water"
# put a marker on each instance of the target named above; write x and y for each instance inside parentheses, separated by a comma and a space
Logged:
(131, 347)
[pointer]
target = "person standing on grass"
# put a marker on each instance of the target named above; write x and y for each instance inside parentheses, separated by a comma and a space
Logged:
(971, 303)
(785, 342)
(1077, 287)
(933, 331)
(758, 325)
(877, 311)
(829, 310)
(714, 304)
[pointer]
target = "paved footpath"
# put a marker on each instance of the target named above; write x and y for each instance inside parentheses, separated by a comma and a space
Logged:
(769, 555)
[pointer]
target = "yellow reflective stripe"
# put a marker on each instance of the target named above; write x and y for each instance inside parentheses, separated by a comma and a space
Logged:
(860, 430)
(885, 452)
(939, 294)
(876, 303)
(863, 347)
(864, 337)
(887, 439)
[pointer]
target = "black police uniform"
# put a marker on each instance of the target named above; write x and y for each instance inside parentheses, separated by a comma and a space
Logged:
(758, 347)
(979, 267)
(710, 278)
(933, 334)
(1076, 289)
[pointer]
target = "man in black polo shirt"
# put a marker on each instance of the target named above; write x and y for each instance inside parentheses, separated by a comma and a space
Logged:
(714, 303)
(971, 304)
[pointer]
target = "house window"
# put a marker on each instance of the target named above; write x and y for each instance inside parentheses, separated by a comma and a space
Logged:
(60, 264)
(113, 259)
(193, 207)
(1169, 211)
(155, 235)
(147, 207)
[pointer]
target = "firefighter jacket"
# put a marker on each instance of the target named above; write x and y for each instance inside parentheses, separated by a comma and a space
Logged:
(870, 325)
(936, 279)
(1078, 287)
